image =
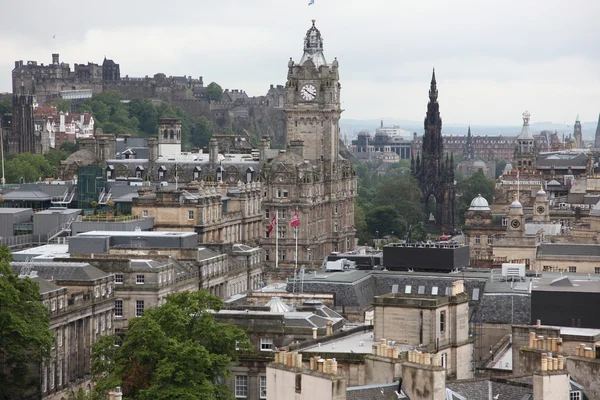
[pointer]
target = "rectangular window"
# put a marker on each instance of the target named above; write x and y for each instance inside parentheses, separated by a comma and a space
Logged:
(281, 231)
(281, 214)
(144, 213)
(575, 395)
(267, 255)
(572, 269)
(285, 194)
(59, 337)
(442, 321)
(190, 215)
(53, 304)
(505, 221)
(262, 387)
(477, 239)
(60, 303)
(118, 278)
(298, 383)
(281, 255)
(139, 308)
(597, 270)
(241, 386)
(475, 294)
(266, 344)
(408, 289)
(434, 290)
(490, 240)
(140, 279)
(267, 213)
(118, 308)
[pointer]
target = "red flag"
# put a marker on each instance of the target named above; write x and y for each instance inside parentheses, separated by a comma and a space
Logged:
(272, 224)
(295, 221)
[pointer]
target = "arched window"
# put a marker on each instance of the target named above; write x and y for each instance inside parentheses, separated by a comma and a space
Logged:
(172, 134)
(249, 174)
(166, 134)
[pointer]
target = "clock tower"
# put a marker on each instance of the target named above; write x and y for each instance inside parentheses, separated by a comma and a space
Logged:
(516, 220)
(312, 102)
(541, 213)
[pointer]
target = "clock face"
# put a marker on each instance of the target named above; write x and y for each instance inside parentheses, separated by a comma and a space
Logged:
(541, 209)
(308, 92)
(515, 223)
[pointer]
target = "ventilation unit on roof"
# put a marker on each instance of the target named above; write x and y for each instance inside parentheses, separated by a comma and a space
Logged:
(513, 271)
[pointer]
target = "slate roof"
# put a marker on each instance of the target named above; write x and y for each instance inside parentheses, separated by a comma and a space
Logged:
(205, 254)
(34, 195)
(46, 286)
(567, 249)
(63, 271)
(486, 389)
(501, 308)
(145, 265)
(385, 391)
(562, 161)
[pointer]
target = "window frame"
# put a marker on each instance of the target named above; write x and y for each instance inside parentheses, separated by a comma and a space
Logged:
(262, 387)
(265, 343)
(240, 386)
(139, 311)
(118, 309)
(140, 279)
(119, 279)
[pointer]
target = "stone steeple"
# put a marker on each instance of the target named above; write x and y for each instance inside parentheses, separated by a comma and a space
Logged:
(577, 133)
(436, 175)
(468, 151)
(597, 141)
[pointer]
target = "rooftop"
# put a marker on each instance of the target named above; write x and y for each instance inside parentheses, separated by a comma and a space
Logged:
(137, 233)
(360, 342)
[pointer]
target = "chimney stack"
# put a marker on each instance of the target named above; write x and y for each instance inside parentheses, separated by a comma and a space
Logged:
(213, 152)
(55, 59)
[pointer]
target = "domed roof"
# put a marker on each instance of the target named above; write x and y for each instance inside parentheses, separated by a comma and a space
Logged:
(479, 164)
(541, 192)
(479, 203)
(82, 158)
(287, 157)
(516, 204)
(277, 306)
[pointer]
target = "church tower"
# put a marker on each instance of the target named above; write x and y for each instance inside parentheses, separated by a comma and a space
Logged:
(577, 133)
(597, 141)
(436, 175)
(468, 151)
(526, 150)
(312, 102)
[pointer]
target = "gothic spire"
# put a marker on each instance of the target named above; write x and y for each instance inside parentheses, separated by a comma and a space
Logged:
(313, 47)
(597, 141)
(433, 93)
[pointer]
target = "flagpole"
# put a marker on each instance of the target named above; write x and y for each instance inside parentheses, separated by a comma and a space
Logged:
(276, 238)
(296, 233)
(518, 184)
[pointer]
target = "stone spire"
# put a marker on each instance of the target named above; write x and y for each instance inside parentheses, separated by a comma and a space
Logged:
(525, 131)
(313, 47)
(577, 133)
(468, 152)
(597, 141)
(432, 139)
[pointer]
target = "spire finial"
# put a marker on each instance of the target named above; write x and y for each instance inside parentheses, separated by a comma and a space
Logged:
(313, 21)
(433, 76)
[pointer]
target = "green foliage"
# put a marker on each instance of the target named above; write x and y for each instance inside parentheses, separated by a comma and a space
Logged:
(213, 92)
(500, 165)
(176, 351)
(5, 107)
(470, 188)
(63, 105)
(29, 167)
(69, 147)
(54, 157)
(201, 133)
(25, 335)
(386, 203)
(110, 113)
(146, 114)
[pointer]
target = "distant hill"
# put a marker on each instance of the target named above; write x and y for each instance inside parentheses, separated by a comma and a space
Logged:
(352, 126)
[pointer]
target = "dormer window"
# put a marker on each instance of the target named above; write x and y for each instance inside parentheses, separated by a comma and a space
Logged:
(161, 173)
(249, 174)
(220, 174)
(110, 170)
(196, 174)
(139, 170)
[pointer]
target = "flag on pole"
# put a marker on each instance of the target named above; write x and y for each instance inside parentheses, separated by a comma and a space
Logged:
(295, 220)
(311, 2)
(272, 224)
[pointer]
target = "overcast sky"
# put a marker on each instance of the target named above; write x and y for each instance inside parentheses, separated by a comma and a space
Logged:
(493, 58)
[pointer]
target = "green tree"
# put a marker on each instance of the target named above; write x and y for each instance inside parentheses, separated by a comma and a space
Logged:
(69, 147)
(110, 113)
(470, 188)
(29, 168)
(25, 335)
(54, 157)
(360, 223)
(385, 220)
(213, 92)
(201, 132)
(146, 114)
(404, 195)
(5, 107)
(63, 105)
(176, 351)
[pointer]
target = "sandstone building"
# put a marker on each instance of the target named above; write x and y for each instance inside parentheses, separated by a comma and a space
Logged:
(310, 178)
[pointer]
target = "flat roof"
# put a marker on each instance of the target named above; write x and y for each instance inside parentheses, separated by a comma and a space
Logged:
(46, 249)
(137, 233)
(360, 342)
(13, 210)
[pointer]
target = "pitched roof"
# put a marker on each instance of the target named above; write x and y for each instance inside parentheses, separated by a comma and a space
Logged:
(34, 195)
(568, 249)
(63, 271)
(503, 308)
(484, 389)
(385, 391)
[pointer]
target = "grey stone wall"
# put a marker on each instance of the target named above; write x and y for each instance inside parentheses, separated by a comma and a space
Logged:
(586, 372)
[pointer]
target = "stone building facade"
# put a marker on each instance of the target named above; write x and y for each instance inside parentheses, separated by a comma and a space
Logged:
(79, 298)
(438, 323)
(481, 229)
(310, 178)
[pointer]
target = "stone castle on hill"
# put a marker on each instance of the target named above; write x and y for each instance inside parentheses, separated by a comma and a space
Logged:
(34, 83)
